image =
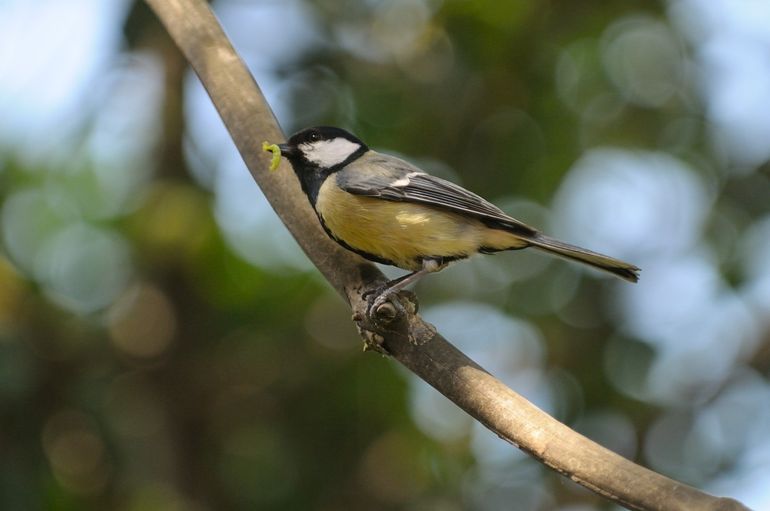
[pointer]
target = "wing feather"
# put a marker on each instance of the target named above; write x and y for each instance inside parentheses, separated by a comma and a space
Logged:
(390, 178)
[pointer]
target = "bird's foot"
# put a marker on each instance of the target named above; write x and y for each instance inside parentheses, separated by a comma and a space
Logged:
(386, 303)
(391, 312)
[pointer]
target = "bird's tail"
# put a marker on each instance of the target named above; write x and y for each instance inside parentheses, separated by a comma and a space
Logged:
(609, 264)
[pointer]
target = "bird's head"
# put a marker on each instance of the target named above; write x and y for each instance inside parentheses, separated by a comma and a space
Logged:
(316, 153)
(323, 147)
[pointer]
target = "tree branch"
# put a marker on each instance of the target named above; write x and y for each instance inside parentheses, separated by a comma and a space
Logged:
(409, 340)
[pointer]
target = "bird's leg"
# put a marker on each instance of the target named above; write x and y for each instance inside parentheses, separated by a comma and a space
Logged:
(396, 285)
(388, 285)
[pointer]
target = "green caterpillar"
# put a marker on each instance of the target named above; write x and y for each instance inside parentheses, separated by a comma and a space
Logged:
(276, 160)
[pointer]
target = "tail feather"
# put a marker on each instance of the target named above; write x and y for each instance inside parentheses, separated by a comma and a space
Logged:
(609, 264)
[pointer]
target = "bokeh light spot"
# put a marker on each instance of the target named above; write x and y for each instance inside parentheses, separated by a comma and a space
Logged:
(644, 60)
(613, 199)
(142, 323)
(84, 268)
(76, 452)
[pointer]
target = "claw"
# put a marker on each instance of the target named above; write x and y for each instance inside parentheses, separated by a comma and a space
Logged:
(378, 302)
(381, 305)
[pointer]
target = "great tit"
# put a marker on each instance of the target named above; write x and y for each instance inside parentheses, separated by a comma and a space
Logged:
(389, 211)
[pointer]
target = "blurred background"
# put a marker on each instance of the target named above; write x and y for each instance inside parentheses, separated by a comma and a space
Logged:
(165, 345)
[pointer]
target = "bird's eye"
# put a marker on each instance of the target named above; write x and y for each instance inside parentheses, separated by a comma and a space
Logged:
(314, 136)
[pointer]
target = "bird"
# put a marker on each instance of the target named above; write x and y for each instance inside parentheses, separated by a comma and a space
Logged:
(389, 211)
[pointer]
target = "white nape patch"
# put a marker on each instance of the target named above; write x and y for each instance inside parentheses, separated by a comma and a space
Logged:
(404, 181)
(328, 153)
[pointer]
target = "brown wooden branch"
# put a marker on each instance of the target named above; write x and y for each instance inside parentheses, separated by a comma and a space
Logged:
(408, 339)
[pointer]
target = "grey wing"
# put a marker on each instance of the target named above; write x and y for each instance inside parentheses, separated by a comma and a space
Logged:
(393, 179)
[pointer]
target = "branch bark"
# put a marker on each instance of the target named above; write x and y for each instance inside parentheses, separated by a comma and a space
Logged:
(250, 120)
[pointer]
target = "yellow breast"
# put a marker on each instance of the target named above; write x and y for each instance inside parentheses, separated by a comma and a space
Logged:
(403, 232)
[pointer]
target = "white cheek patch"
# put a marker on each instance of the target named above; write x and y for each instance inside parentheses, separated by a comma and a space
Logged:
(327, 153)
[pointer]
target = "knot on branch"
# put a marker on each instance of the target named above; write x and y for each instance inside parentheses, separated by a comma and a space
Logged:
(393, 321)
